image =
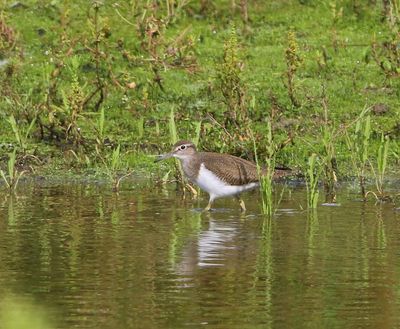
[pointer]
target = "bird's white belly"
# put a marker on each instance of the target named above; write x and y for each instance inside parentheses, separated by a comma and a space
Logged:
(217, 188)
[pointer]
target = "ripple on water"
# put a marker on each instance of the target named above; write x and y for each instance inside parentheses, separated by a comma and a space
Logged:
(145, 259)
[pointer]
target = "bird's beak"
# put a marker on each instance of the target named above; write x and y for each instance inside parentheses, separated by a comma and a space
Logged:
(164, 156)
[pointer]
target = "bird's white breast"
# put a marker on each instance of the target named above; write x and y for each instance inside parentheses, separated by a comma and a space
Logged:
(216, 187)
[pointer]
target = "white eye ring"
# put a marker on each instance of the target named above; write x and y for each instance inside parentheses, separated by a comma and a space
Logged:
(183, 147)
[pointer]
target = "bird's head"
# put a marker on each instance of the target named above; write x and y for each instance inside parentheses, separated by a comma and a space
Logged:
(180, 150)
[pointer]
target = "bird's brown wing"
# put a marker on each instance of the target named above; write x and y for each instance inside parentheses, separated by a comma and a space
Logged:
(237, 171)
(231, 169)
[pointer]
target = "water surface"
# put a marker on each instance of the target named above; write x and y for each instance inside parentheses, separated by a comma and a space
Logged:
(146, 258)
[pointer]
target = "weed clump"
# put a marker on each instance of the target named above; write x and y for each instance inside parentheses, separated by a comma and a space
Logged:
(230, 82)
(8, 37)
(293, 62)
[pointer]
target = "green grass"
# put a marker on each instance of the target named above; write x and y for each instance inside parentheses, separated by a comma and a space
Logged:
(12, 175)
(380, 170)
(358, 140)
(312, 176)
(83, 79)
(267, 175)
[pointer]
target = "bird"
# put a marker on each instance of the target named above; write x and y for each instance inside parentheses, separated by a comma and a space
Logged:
(220, 175)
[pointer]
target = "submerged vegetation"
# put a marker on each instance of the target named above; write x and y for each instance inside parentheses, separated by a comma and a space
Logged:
(84, 83)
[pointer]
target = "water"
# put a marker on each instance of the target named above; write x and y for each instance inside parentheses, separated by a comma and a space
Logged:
(145, 258)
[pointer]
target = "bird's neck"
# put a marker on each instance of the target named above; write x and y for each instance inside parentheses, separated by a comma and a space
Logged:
(190, 166)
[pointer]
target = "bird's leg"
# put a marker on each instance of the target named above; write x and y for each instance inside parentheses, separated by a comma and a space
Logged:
(208, 208)
(241, 203)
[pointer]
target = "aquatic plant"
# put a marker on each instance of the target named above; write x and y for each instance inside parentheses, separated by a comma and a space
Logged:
(113, 165)
(12, 176)
(173, 138)
(379, 172)
(329, 164)
(267, 177)
(382, 157)
(328, 156)
(358, 144)
(312, 174)
(266, 174)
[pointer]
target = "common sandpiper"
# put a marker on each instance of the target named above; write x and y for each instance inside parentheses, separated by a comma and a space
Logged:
(220, 175)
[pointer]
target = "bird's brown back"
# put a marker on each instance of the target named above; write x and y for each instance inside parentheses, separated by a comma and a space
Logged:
(229, 168)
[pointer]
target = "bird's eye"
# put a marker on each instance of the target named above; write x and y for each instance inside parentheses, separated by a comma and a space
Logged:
(183, 147)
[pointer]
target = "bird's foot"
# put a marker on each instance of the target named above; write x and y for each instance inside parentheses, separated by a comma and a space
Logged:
(208, 208)
(242, 205)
